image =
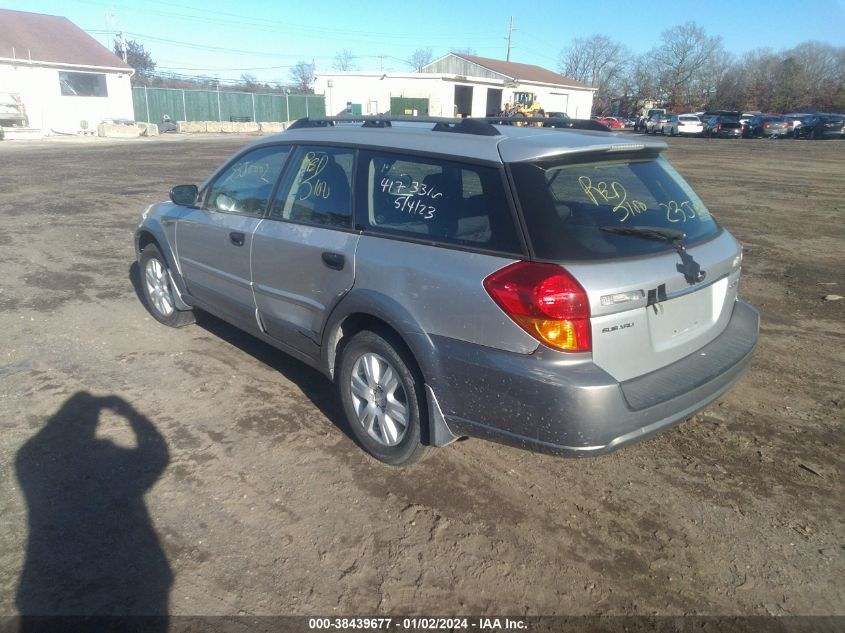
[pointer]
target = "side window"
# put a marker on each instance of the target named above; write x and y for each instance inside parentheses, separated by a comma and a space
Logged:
(317, 188)
(438, 200)
(246, 185)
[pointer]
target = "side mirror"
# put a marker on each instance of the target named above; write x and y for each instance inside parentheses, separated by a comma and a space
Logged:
(184, 195)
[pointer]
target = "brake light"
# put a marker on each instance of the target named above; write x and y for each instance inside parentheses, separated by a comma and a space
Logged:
(765, 125)
(546, 301)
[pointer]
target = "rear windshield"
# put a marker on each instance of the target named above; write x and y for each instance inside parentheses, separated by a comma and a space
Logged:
(566, 205)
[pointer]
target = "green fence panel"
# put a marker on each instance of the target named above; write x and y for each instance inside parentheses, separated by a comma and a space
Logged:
(270, 107)
(163, 101)
(151, 104)
(407, 105)
(297, 106)
(139, 104)
(201, 105)
(235, 105)
(316, 105)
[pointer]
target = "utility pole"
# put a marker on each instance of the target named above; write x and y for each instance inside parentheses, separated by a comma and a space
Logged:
(510, 33)
(123, 45)
(381, 63)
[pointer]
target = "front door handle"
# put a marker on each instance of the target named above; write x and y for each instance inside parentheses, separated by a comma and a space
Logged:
(334, 261)
(236, 238)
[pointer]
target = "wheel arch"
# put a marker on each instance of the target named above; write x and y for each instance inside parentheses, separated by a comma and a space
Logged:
(369, 310)
(154, 234)
(366, 309)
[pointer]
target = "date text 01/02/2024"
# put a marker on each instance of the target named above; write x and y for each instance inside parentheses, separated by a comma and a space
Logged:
(418, 623)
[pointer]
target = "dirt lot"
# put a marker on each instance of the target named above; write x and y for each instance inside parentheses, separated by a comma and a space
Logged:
(257, 502)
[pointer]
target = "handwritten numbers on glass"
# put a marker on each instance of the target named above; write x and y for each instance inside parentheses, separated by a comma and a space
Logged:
(311, 184)
(614, 192)
(412, 197)
(243, 170)
(679, 212)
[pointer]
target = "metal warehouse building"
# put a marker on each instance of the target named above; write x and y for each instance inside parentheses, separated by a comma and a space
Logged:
(67, 81)
(453, 85)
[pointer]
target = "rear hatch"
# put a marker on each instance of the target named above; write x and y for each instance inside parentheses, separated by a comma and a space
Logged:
(660, 274)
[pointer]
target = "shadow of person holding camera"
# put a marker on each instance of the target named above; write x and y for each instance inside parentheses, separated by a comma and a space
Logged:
(92, 548)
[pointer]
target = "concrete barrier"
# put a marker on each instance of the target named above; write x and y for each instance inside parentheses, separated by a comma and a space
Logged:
(246, 127)
(229, 127)
(112, 130)
(148, 129)
(272, 127)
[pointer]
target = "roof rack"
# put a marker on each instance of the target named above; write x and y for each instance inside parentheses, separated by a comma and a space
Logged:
(479, 126)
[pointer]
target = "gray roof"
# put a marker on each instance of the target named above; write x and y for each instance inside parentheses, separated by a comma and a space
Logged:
(52, 39)
(509, 70)
(513, 144)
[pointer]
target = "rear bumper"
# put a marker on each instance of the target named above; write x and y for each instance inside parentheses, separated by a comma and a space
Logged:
(547, 403)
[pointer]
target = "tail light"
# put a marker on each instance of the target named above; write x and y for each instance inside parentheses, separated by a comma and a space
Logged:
(718, 126)
(546, 301)
(765, 125)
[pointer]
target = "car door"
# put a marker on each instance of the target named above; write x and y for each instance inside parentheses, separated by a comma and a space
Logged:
(214, 240)
(303, 254)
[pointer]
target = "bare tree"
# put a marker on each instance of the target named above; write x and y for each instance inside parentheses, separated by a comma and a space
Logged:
(343, 60)
(420, 57)
(684, 53)
(464, 51)
(596, 60)
(637, 84)
(302, 75)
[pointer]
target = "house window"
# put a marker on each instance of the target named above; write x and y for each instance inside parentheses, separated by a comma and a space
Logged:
(83, 84)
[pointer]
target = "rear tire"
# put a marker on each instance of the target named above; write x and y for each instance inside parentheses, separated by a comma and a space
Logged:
(159, 297)
(382, 395)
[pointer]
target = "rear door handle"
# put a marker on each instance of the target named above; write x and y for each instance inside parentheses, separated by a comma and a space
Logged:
(236, 238)
(334, 261)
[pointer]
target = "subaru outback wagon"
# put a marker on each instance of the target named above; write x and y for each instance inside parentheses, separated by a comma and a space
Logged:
(554, 289)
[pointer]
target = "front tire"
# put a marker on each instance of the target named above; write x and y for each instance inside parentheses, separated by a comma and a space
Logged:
(159, 296)
(382, 395)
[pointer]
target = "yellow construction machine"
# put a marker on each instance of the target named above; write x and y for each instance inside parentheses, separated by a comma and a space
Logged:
(524, 104)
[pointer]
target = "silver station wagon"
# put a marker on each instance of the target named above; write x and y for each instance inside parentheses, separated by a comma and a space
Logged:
(559, 290)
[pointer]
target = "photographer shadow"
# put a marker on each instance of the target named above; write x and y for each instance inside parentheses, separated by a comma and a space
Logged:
(92, 549)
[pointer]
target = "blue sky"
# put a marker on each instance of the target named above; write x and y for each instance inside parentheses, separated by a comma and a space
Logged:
(226, 38)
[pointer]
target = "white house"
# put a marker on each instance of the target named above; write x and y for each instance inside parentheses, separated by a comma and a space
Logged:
(456, 84)
(67, 81)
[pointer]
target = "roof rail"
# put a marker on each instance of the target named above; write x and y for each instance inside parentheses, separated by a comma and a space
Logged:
(441, 124)
(480, 126)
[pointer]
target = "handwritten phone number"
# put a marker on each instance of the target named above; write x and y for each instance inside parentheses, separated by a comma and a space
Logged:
(448, 624)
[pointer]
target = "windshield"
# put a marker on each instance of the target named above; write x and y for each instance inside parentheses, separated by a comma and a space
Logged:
(565, 205)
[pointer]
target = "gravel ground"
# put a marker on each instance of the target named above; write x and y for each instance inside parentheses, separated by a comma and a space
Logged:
(199, 471)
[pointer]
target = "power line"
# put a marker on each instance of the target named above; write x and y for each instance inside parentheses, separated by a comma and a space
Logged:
(275, 26)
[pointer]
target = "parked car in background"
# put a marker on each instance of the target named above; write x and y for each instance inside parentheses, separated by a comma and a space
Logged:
(12, 110)
(765, 125)
(682, 124)
(820, 126)
(611, 122)
(723, 127)
(794, 119)
(365, 249)
(643, 120)
(655, 123)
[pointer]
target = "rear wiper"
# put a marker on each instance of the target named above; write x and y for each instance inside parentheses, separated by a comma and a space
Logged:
(673, 236)
(688, 267)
